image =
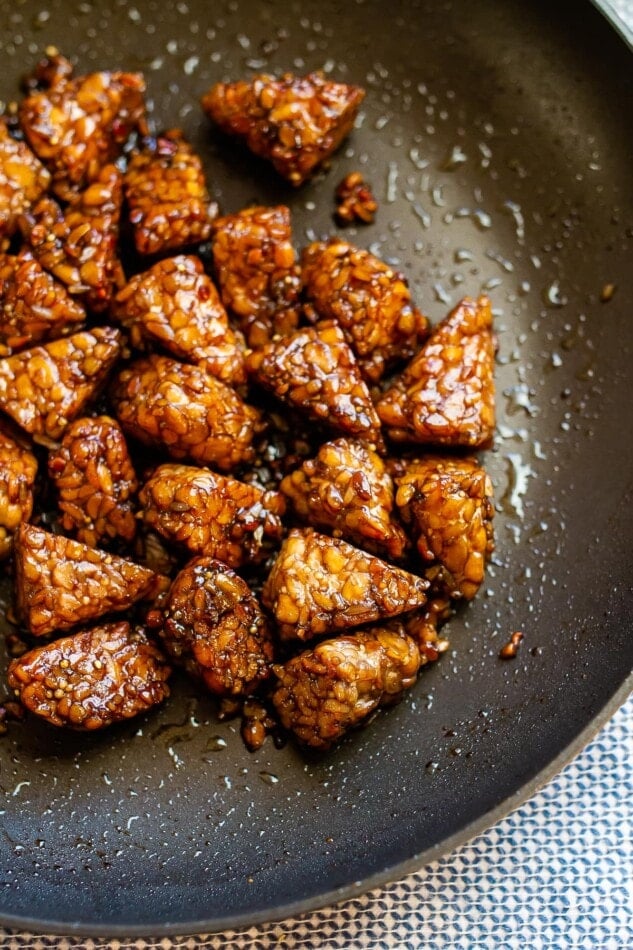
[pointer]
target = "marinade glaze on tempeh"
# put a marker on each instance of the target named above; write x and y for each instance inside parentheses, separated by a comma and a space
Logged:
(257, 451)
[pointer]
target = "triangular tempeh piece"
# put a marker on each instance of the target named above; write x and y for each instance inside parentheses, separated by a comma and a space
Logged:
(44, 388)
(320, 584)
(60, 582)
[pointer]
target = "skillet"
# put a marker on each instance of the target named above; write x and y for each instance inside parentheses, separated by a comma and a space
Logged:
(498, 140)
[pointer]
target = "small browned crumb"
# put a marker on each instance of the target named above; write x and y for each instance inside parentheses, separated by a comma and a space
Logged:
(607, 293)
(52, 68)
(355, 200)
(78, 245)
(176, 305)
(445, 396)
(95, 481)
(186, 411)
(18, 468)
(257, 723)
(60, 583)
(167, 195)
(315, 370)
(511, 648)
(347, 489)
(447, 502)
(91, 679)
(257, 271)
(34, 307)
(44, 388)
(318, 585)
(11, 710)
(23, 180)
(78, 125)
(369, 300)
(16, 646)
(295, 122)
(212, 514)
(326, 691)
(212, 624)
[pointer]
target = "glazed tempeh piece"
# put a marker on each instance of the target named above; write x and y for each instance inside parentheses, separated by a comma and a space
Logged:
(187, 411)
(18, 468)
(445, 396)
(95, 481)
(348, 490)
(324, 692)
(34, 307)
(295, 122)
(44, 388)
(23, 180)
(79, 245)
(60, 583)
(212, 624)
(368, 299)
(212, 514)
(257, 271)
(176, 305)
(318, 585)
(315, 370)
(167, 196)
(93, 678)
(448, 503)
(78, 125)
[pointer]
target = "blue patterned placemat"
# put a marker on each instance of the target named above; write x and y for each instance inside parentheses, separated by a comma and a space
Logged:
(556, 873)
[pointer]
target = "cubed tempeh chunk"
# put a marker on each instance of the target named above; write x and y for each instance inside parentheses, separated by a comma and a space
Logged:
(187, 411)
(445, 396)
(318, 585)
(176, 305)
(212, 624)
(257, 271)
(78, 245)
(212, 514)
(78, 125)
(23, 180)
(167, 195)
(95, 481)
(93, 678)
(324, 692)
(368, 299)
(295, 122)
(348, 490)
(448, 504)
(60, 583)
(315, 370)
(44, 388)
(18, 468)
(34, 307)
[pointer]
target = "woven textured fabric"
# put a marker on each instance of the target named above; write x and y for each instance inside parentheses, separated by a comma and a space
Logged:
(557, 873)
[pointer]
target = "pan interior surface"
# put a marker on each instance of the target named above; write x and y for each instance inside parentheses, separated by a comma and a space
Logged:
(497, 138)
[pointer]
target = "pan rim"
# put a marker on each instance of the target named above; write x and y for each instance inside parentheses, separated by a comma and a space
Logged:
(417, 862)
(611, 14)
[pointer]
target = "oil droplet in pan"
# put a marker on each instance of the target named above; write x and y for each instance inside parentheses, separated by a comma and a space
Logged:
(215, 744)
(518, 475)
(269, 778)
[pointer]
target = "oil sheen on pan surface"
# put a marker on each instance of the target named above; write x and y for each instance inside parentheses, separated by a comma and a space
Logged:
(497, 139)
